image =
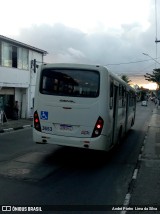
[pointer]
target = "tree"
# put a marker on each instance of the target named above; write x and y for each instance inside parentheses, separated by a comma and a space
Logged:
(155, 77)
(125, 78)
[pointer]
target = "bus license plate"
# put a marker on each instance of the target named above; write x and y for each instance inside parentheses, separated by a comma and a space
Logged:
(64, 127)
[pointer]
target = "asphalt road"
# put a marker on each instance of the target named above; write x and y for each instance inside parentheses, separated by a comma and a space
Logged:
(32, 174)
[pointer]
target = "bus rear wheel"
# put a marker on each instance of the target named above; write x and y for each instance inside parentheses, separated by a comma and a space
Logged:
(119, 140)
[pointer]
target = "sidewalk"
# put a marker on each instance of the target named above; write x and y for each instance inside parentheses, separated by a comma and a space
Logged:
(12, 125)
(146, 189)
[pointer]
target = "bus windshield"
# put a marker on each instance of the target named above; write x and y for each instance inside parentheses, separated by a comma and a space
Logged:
(70, 82)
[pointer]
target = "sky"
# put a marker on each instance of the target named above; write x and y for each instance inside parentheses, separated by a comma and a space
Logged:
(114, 33)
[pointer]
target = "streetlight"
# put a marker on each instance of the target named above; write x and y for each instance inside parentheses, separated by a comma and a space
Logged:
(150, 57)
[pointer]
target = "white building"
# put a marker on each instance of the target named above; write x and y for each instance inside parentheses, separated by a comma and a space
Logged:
(18, 76)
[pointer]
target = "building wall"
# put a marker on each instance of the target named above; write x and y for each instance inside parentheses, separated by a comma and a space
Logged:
(25, 95)
(13, 77)
(22, 83)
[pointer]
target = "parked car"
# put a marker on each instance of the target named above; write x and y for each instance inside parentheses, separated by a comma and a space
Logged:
(152, 99)
(144, 103)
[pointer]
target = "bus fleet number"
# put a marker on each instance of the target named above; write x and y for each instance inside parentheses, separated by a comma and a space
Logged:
(47, 128)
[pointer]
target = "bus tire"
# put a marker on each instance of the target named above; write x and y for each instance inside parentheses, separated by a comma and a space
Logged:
(119, 140)
(132, 123)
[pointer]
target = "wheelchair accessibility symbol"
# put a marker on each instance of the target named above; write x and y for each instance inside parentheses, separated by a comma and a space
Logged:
(44, 115)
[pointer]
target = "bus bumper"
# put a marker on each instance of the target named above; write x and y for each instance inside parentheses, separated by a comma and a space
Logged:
(98, 143)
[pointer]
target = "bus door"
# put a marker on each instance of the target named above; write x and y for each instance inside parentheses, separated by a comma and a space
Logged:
(127, 109)
(115, 112)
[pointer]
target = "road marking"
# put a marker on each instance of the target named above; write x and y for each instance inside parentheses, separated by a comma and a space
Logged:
(140, 157)
(8, 130)
(127, 199)
(142, 149)
(135, 174)
(26, 126)
(126, 202)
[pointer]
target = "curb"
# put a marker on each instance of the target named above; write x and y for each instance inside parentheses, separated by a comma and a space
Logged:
(16, 128)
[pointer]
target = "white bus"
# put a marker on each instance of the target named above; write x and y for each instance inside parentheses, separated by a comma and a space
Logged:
(83, 106)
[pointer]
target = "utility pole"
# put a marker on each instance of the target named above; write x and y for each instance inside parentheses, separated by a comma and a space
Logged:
(156, 41)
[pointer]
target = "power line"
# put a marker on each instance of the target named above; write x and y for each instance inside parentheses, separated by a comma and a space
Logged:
(149, 66)
(126, 63)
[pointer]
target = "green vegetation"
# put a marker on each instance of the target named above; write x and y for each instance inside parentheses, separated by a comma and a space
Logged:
(125, 78)
(154, 77)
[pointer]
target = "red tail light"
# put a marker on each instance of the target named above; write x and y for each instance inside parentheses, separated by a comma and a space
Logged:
(37, 124)
(98, 127)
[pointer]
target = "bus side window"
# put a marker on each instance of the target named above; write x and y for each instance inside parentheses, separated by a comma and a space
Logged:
(120, 96)
(111, 95)
(123, 96)
(131, 99)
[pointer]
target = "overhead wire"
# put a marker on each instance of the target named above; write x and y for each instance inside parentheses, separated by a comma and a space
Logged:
(125, 63)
